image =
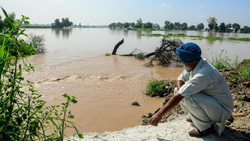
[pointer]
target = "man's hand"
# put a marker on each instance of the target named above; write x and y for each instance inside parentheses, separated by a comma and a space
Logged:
(155, 119)
(173, 101)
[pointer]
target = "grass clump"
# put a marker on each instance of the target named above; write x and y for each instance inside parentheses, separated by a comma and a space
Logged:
(224, 62)
(176, 35)
(156, 87)
(140, 56)
(153, 35)
(211, 38)
(240, 39)
(107, 54)
(243, 72)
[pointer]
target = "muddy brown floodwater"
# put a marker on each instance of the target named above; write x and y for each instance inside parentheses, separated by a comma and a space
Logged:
(105, 88)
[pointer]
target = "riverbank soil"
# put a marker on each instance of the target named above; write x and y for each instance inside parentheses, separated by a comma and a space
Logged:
(239, 123)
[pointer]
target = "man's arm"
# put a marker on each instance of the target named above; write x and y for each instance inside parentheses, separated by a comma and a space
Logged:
(179, 83)
(173, 101)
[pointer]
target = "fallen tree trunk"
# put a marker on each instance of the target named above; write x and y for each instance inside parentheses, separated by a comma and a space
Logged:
(117, 46)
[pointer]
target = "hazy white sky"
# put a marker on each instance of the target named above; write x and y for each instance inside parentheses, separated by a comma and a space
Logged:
(104, 12)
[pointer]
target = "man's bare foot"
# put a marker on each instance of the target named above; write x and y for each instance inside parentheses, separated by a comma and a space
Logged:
(189, 120)
(196, 133)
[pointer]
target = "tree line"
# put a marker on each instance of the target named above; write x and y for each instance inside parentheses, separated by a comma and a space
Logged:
(138, 24)
(212, 26)
(61, 24)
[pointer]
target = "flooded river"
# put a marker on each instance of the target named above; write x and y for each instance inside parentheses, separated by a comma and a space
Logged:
(106, 86)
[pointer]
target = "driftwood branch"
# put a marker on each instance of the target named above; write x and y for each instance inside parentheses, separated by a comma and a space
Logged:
(166, 53)
(117, 46)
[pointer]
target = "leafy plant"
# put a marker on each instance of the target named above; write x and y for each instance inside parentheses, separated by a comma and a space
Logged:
(156, 87)
(38, 42)
(243, 72)
(140, 56)
(224, 62)
(23, 115)
(107, 54)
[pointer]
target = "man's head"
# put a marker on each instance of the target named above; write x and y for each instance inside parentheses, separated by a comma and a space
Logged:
(190, 55)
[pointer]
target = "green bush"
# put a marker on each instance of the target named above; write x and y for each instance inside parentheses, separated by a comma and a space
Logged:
(156, 87)
(224, 62)
(243, 72)
(23, 115)
(140, 56)
(37, 42)
(107, 54)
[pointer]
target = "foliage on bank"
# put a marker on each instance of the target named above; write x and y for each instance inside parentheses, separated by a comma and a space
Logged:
(193, 37)
(159, 88)
(23, 114)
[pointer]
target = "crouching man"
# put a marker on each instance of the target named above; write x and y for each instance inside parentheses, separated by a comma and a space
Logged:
(202, 92)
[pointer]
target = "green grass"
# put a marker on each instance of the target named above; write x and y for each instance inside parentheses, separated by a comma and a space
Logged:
(177, 35)
(107, 54)
(224, 62)
(139, 56)
(240, 39)
(153, 35)
(211, 38)
(243, 72)
(156, 87)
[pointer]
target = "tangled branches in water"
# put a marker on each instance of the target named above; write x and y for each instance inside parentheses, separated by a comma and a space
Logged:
(166, 53)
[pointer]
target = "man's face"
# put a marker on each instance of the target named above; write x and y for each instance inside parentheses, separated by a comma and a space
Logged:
(188, 69)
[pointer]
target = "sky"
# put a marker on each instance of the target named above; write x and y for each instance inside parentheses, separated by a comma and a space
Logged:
(104, 12)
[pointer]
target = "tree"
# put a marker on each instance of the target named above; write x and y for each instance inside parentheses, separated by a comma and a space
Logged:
(57, 23)
(216, 28)
(236, 27)
(126, 25)
(200, 26)
(132, 24)
(228, 27)
(191, 27)
(177, 25)
(245, 29)
(184, 26)
(119, 24)
(167, 25)
(112, 25)
(222, 27)
(139, 23)
(148, 25)
(171, 26)
(65, 23)
(156, 26)
(212, 21)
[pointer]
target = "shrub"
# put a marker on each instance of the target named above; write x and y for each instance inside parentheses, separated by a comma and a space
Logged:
(107, 54)
(156, 87)
(243, 72)
(23, 115)
(38, 42)
(140, 56)
(224, 62)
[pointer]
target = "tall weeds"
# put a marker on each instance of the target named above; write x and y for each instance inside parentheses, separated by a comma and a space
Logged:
(23, 115)
(224, 62)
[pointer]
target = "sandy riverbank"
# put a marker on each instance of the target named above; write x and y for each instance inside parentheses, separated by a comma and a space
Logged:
(175, 130)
